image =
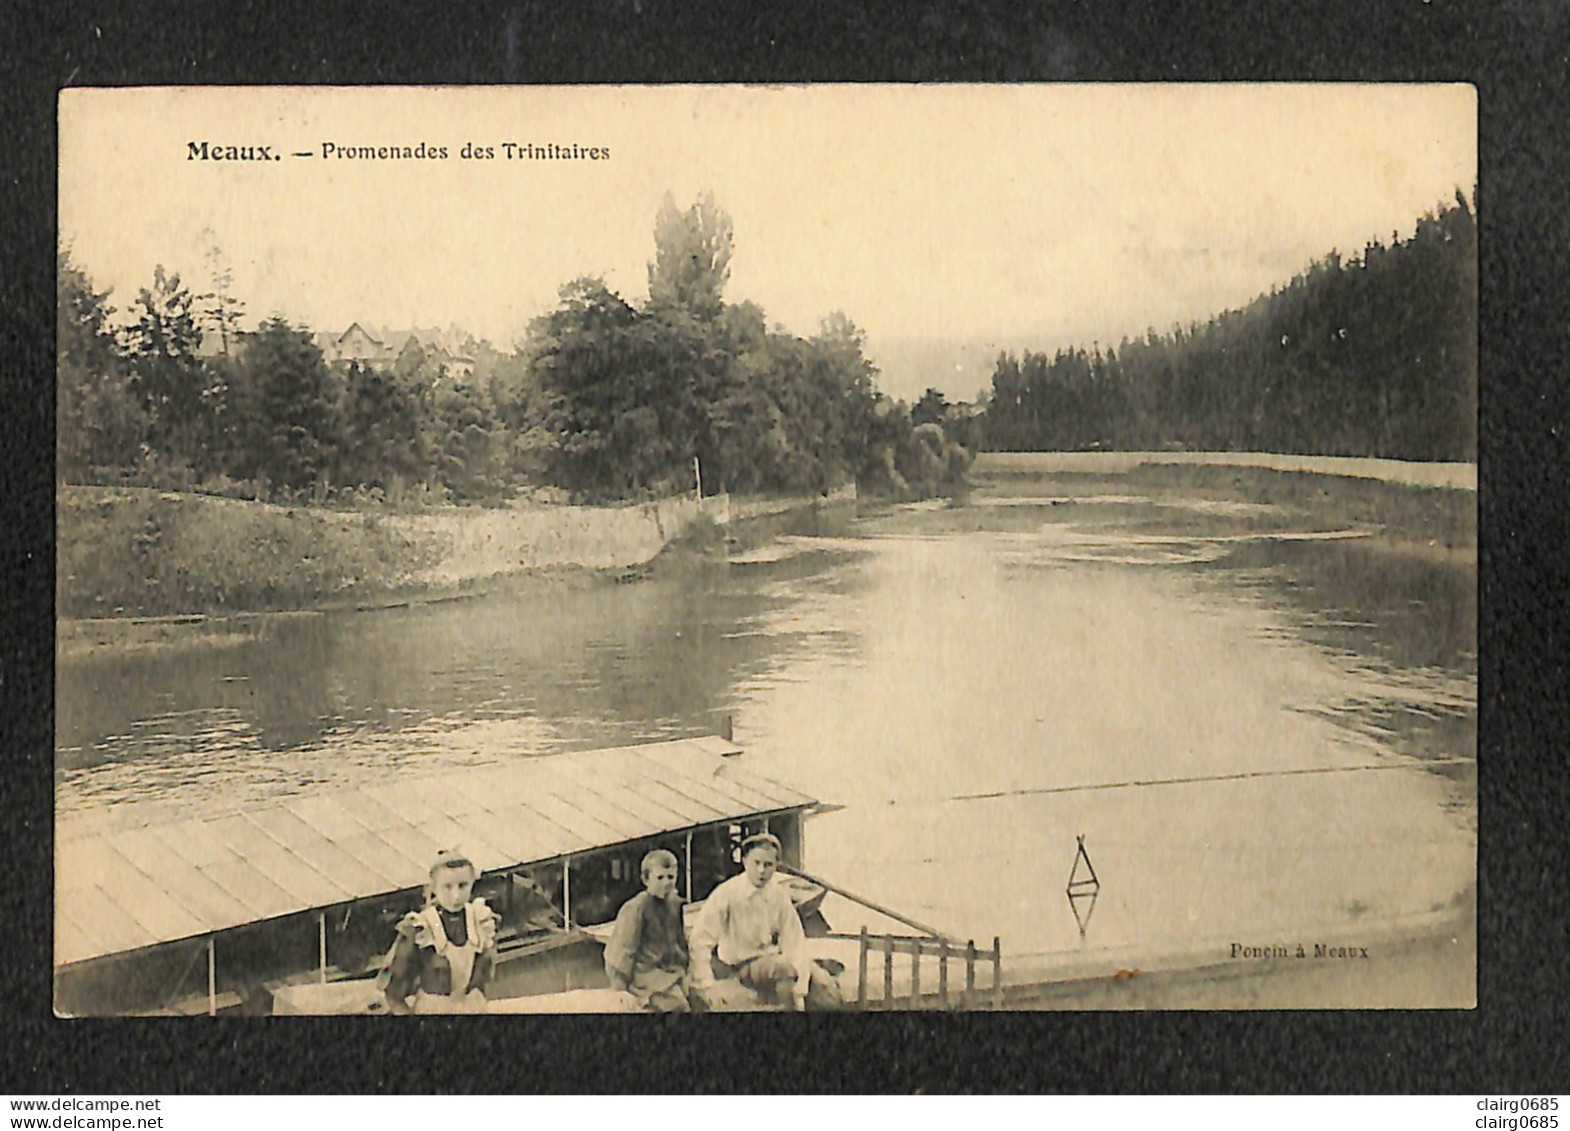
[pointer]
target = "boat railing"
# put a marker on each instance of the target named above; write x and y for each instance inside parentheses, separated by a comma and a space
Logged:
(931, 943)
(917, 948)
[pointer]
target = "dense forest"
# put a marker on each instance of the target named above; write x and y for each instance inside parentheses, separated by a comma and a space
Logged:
(603, 399)
(1371, 356)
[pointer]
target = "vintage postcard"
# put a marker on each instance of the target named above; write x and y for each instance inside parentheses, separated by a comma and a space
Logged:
(611, 549)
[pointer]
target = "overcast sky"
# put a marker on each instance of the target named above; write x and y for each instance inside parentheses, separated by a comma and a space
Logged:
(1063, 213)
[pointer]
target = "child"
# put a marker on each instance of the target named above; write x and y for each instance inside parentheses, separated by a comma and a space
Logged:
(749, 931)
(446, 951)
(647, 954)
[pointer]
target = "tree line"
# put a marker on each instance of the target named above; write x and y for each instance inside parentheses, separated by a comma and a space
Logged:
(1371, 356)
(603, 398)
(606, 399)
(266, 416)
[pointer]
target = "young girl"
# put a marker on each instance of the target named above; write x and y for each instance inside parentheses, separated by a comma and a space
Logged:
(446, 951)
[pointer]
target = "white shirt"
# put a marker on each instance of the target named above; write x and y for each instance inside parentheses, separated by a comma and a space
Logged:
(740, 922)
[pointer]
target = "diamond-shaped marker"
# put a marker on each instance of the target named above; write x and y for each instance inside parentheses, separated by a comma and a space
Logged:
(1083, 887)
(1082, 904)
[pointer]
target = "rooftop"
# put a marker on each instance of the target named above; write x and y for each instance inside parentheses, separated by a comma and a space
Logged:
(138, 885)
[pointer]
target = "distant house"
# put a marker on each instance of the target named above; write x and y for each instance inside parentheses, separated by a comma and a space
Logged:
(438, 349)
(355, 344)
(358, 344)
(459, 366)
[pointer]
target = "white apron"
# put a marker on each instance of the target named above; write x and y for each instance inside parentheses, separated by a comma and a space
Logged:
(480, 925)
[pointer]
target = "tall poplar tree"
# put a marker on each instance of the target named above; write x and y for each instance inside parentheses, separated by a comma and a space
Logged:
(692, 252)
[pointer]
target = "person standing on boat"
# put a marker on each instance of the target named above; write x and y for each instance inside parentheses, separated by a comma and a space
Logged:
(647, 953)
(748, 930)
(446, 951)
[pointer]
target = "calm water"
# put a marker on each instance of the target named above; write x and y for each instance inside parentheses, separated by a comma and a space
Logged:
(1264, 729)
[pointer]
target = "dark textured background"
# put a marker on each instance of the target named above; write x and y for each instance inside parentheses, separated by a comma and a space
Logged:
(1515, 51)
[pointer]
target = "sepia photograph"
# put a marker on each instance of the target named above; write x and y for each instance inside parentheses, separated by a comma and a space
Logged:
(847, 548)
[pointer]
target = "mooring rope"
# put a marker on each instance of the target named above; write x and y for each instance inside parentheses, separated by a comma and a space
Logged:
(1419, 764)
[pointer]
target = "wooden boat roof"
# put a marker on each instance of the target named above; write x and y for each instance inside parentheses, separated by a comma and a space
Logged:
(140, 884)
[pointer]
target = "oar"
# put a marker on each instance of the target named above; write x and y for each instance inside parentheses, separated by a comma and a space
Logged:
(879, 908)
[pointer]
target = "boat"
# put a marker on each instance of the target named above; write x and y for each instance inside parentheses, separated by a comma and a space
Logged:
(290, 907)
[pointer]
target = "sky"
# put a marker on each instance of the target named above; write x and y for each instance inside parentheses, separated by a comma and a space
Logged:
(974, 214)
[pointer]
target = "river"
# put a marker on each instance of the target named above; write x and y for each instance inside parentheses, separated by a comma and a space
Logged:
(1261, 719)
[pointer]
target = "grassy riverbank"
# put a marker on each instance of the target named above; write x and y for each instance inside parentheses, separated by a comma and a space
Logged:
(128, 553)
(1412, 514)
(138, 552)
(134, 563)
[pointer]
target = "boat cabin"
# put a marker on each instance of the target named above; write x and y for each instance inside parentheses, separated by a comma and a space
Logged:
(161, 913)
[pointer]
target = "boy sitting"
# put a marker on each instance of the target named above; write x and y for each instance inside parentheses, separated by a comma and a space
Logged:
(749, 931)
(647, 953)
